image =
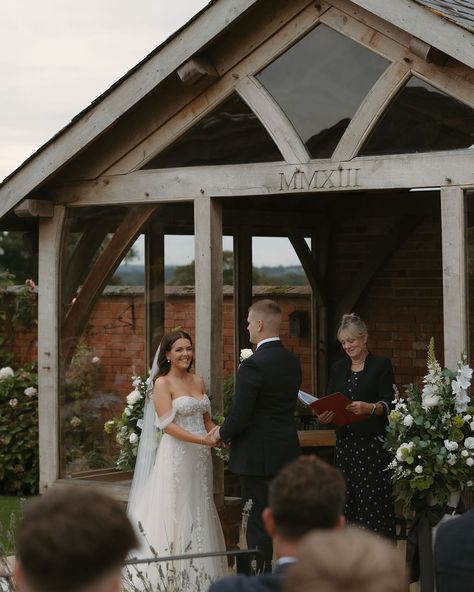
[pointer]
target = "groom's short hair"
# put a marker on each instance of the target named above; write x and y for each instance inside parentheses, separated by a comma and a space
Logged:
(266, 310)
(306, 494)
(70, 538)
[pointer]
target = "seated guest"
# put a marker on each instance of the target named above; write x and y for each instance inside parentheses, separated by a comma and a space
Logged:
(305, 495)
(454, 554)
(349, 560)
(72, 540)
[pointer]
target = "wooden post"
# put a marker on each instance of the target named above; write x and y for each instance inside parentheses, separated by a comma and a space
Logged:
(154, 290)
(209, 334)
(242, 289)
(455, 311)
(50, 231)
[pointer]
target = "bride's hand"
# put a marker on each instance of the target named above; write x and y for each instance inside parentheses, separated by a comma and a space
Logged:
(212, 438)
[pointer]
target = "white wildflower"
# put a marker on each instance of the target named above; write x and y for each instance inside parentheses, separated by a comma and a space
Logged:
(6, 372)
(30, 391)
(418, 469)
(13, 402)
(95, 360)
(245, 353)
(136, 381)
(75, 421)
(133, 438)
(133, 397)
(408, 420)
(450, 445)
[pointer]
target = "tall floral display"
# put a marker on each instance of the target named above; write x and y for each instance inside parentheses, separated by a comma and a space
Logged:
(431, 435)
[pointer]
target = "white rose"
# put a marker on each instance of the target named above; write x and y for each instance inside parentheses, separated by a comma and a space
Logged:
(404, 450)
(30, 391)
(95, 360)
(245, 353)
(451, 445)
(430, 401)
(75, 421)
(467, 417)
(407, 421)
(6, 372)
(127, 411)
(140, 424)
(13, 402)
(133, 397)
(418, 469)
(133, 438)
(472, 425)
(470, 461)
(464, 453)
(469, 443)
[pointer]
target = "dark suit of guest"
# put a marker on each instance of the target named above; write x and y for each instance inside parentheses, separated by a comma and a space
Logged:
(454, 554)
(360, 452)
(269, 582)
(261, 429)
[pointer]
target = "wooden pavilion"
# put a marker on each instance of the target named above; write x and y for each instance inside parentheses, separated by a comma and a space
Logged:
(347, 122)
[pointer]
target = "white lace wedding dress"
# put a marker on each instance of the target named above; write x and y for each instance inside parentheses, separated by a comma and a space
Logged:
(177, 510)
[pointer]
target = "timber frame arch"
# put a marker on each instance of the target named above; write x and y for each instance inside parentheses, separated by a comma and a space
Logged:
(99, 160)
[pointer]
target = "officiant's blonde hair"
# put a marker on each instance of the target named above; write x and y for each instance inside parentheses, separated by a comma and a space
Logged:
(353, 325)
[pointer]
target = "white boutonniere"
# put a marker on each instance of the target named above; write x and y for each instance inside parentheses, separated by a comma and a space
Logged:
(245, 353)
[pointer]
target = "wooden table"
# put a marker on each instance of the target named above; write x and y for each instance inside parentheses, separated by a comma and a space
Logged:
(317, 438)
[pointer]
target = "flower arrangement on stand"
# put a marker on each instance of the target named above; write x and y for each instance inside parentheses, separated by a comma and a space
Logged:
(128, 426)
(431, 435)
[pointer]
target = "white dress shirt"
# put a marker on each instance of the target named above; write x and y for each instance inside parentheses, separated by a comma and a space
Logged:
(267, 340)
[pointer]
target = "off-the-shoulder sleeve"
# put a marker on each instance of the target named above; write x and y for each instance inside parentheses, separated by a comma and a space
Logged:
(163, 421)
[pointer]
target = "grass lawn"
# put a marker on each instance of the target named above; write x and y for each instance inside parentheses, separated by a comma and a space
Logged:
(8, 505)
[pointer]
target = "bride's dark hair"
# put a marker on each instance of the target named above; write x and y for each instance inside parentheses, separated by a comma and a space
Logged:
(165, 347)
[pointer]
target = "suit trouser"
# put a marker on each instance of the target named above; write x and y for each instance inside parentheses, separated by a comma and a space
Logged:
(255, 488)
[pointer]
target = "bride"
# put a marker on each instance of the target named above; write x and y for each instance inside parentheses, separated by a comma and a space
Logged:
(172, 495)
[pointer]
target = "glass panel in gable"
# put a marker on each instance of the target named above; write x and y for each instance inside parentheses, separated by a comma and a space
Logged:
(320, 83)
(422, 119)
(231, 134)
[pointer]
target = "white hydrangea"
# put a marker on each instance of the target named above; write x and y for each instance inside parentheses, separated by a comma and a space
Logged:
(6, 372)
(30, 391)
(408, 420)
(133, 438)
(469, 443)
(133, 397)
(450, 445)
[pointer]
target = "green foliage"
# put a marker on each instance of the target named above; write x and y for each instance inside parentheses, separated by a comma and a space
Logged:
(19, 470)
(430, 434)
(18, 254)
(128, 427)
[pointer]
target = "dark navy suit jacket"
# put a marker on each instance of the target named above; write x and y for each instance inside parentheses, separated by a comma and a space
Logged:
(269, 582)
(261, 425)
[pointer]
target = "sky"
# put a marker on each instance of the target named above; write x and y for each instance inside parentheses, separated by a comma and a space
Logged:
(57, 56)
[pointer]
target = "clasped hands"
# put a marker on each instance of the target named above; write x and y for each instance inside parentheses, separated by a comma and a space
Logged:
(213, 437)
(357, 407)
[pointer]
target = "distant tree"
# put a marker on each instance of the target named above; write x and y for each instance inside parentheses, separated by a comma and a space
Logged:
(19, 255)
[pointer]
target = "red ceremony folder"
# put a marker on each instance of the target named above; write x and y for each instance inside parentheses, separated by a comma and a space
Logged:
(337, 402)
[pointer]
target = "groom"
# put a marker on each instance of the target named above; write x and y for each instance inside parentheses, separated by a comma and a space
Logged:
(260, 426)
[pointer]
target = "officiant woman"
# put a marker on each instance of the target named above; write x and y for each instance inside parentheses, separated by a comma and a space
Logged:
(368, 381)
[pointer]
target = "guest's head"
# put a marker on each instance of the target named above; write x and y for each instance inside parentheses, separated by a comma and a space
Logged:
(349, 560)
(307, 494)
(176, 351)
(352, 335)
(264, 320)
(72, 540)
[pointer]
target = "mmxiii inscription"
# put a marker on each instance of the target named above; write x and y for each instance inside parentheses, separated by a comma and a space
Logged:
(319, 179)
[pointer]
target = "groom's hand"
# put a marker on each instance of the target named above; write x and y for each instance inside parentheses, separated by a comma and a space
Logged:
(214, 435)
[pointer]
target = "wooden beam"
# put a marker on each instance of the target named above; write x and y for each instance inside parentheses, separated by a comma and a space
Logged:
(154, 290)
(317, 438)
(195, 70)
(242, 289)
(35, 208)
(209, 300)
(274, 119)
(385, 246)
(97, 119)
(103, 269)
(437, 169)
(426, 25)
(309, 264)
(455, 302)
(371, 109)
(50, 232)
